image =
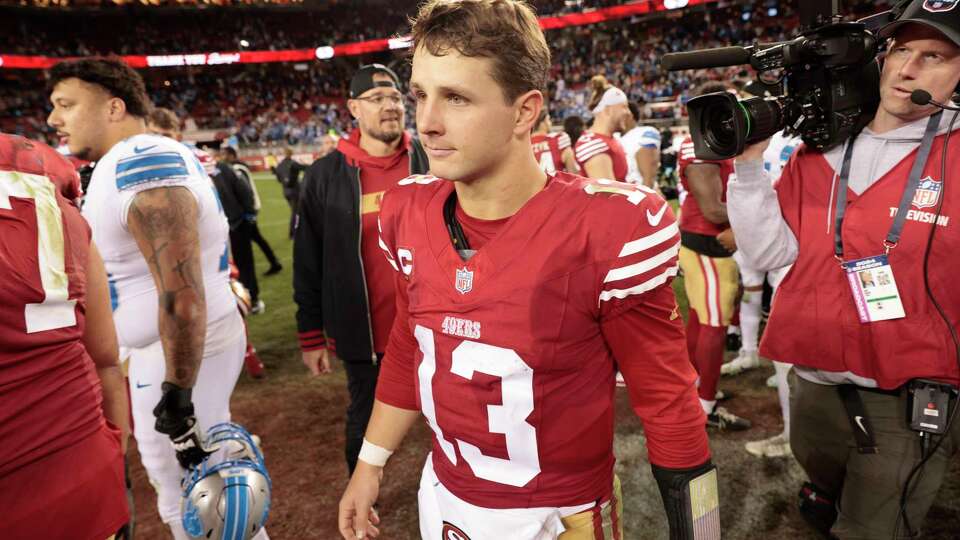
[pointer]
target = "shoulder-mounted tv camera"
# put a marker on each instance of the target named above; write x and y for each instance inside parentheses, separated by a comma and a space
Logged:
(828, 78)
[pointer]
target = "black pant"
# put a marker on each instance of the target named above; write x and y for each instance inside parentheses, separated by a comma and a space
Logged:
(293, 199)
(242, 248)
(361, 383)
(264, 246)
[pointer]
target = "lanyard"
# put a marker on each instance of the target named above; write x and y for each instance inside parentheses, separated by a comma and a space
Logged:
(908, 192)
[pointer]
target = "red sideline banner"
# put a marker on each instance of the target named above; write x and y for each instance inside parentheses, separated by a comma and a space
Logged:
(643, 7)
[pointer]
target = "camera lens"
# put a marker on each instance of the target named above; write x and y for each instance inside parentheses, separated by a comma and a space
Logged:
(764, 118)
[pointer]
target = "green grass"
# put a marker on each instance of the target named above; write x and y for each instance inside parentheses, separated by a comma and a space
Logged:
(274, 333)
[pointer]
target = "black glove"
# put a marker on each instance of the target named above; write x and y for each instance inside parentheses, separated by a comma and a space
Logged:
(175, 418)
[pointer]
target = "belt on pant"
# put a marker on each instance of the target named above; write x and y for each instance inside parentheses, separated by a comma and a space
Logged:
(860, 423)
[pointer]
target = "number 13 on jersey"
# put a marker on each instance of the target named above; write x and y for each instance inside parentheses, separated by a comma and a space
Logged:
(509, 419)
(56, 310)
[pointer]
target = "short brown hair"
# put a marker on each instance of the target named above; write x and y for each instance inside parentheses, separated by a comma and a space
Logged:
(112, 74)
(164, 119)
(505, 31)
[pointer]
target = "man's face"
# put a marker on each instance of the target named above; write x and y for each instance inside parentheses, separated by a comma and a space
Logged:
(81, 112)
(463, 119)
(919, 57)
(379, 111)
(621, 115)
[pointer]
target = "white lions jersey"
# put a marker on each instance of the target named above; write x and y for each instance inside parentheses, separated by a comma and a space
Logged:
(632, 141)
(137, 164)
(778, 152)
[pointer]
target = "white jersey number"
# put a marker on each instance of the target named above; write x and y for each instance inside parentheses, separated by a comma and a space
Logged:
(509, 419)
(56, 310)
(546, 163)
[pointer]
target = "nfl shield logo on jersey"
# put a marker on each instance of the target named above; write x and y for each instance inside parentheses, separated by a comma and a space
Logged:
(928, 192)
(940, 5)
(464, 282)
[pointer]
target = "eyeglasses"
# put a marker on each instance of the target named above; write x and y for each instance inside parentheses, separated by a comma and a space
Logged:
(381, 99)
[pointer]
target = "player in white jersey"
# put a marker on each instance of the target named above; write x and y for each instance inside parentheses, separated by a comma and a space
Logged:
(164, 236)
(775, 157)
(642, 146)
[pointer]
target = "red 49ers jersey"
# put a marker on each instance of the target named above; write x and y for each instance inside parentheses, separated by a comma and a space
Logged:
(509, 364)
(49, 394)
(592, 144)
(691, 217)
(548, 149)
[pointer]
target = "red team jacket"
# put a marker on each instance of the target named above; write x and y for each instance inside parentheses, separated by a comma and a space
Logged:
(508, 355)
(61, 471)
(691, 217)
(592, 144)
(814, 321)
(548, 149)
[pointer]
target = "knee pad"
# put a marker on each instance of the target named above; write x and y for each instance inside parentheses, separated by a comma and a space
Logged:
(818, 508)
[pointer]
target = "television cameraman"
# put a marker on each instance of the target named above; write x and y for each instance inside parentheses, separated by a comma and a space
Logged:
(864, 334)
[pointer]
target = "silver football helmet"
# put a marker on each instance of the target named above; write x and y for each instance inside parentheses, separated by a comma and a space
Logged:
(227, 496)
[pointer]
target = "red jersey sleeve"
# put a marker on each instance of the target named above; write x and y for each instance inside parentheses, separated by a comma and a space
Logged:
(650, 347)
(688, 157)
(588, 147)
(563, 141)
(647, 256)
(396, 384)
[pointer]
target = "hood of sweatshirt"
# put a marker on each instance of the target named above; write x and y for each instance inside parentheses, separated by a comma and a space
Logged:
(875, 154)
(349, 146)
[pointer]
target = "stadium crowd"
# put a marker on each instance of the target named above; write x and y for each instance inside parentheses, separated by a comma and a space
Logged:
(292, 104)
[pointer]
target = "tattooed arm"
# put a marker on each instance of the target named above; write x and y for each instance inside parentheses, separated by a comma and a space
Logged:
(164, 222)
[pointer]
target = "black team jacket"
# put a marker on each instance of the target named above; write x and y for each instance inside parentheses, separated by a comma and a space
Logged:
(329, 286)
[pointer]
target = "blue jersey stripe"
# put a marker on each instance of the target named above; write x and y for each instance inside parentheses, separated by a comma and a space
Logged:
(114, 298)
(136, 162)
(162, 172)
(225, 258)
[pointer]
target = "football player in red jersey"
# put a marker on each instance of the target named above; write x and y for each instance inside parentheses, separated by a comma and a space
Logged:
(519, 294)
(598, 153)
(63, 402)
(711, 277)
(552, 150)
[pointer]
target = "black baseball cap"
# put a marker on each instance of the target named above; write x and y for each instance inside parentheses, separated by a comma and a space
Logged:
(363, 79)
(941, 15)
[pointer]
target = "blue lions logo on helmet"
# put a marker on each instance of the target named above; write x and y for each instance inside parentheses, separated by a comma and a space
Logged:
(227, 497)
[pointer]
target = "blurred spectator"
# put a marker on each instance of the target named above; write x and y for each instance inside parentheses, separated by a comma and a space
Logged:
(288, 174)
(229, 155)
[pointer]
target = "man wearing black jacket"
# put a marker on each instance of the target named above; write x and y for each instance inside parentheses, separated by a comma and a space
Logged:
(237, 199)
(343, 284)
(288, 174)
(243, 172)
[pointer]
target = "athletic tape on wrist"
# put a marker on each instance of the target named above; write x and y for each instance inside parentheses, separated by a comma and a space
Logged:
(373, 454)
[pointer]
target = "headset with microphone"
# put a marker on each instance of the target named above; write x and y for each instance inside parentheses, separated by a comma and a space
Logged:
(922, 97)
